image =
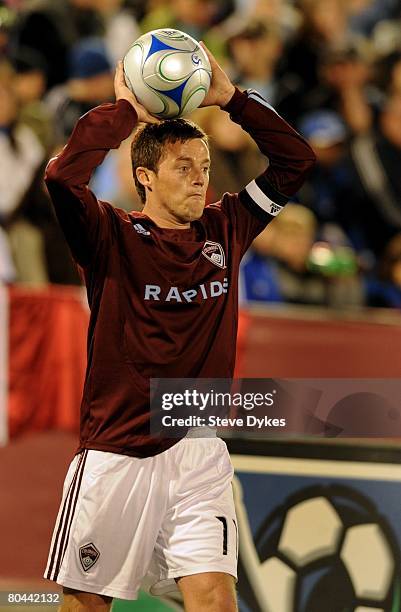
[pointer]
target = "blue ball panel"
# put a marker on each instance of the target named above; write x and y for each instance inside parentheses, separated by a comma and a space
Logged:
(157, 45)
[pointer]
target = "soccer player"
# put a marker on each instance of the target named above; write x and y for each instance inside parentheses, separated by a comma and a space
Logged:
(162, 289)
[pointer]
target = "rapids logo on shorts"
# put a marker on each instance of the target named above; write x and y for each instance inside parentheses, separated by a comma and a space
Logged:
(213, 251)
(88, 555)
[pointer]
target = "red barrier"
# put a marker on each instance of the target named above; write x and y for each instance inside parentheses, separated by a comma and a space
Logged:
(47, 358)
(297, 342)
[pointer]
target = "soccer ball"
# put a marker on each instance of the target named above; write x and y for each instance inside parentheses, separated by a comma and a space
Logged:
(328, 549)
(168, 72)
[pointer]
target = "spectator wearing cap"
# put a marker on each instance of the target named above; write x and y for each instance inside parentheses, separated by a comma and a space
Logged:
(346, 86)
(90, 82)
(254, 48)
(327, 134)
(344, 74)
(30, 86)
(324, 25)
(358, 184)
(51, 27)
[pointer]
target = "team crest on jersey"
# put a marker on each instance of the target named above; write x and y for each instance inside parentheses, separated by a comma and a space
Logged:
(88, 555)
(213, 251)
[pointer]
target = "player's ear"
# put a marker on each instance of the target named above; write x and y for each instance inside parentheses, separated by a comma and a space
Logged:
(145, 177)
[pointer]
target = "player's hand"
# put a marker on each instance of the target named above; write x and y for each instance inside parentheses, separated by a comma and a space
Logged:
(124, 93)
(221, 89)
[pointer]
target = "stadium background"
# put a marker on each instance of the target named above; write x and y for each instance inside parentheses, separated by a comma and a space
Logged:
(320, 290)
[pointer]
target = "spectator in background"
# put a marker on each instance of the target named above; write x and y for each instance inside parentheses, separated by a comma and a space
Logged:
(37, 210)
(275, 268)
(327, 134)
(112, 180)
(8, 17)
(126, 196)
(281, 13)
(280, 266)
(236, 159)
(51, 27)
(345, 87)
(259, 278)
(373, 211)
(324, 25)
(195, 17)
(255, 48)
(386, 36)
(357, 184)
(365, 14)
(388, 73)
(21, 155)
(30, 86)
(90, 82)
(324, 70)
(121, 27)
(385, 290)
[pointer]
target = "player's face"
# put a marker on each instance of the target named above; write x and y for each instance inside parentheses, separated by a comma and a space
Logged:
(182, 179)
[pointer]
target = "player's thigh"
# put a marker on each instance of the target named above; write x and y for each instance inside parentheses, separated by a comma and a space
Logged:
(80, 601)
(199, 532)
(108, 524)
(208, 592)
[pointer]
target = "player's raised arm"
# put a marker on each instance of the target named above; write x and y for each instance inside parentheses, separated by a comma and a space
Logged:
(85, 221)
(290, 156)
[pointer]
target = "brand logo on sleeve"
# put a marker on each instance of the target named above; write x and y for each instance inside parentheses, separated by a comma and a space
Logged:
(275, 209)
(88, 555)
(141, 230)
(213, 251)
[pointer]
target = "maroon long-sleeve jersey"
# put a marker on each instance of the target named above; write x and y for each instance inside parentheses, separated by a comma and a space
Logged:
(164, 302)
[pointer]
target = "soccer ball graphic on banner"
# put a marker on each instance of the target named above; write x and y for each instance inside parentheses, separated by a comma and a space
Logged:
(168, 72)
(326, 550)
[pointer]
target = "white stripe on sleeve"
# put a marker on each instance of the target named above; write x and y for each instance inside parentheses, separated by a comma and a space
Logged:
(262, 200)
(254, 95)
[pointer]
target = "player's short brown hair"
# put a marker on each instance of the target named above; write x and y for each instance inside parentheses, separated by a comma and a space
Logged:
(148, 144)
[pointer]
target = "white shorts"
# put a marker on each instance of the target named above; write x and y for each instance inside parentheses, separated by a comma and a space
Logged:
(166, 516)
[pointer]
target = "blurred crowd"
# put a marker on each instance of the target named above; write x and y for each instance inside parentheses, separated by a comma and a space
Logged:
(332, 68)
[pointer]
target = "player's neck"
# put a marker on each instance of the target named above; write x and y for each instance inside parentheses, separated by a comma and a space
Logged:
(162, 218)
